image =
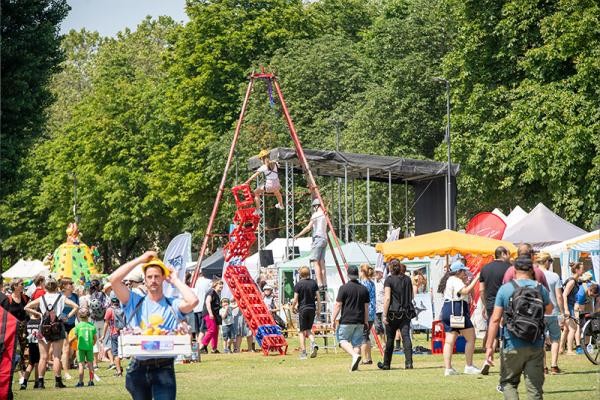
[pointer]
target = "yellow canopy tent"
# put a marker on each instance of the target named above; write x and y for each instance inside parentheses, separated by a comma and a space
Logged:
(446, 242)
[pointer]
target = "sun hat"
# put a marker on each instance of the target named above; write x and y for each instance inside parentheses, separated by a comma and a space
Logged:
(458, 266)
(156, 263)
(264, 153)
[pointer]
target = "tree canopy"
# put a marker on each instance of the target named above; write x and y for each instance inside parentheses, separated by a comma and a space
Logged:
(144, 120)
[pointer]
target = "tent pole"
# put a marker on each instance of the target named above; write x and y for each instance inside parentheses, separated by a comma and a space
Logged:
(346, 200)
(390, 226)
(405, 208)
(368, 207)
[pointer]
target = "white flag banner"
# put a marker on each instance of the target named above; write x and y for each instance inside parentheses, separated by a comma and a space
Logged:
(177, 256)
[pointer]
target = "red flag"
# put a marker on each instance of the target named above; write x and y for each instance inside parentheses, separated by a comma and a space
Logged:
(484, 224)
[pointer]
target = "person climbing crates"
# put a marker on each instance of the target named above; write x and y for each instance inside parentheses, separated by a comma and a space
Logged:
(271, 184)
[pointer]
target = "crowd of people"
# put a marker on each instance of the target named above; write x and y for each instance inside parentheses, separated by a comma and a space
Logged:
(69, 325)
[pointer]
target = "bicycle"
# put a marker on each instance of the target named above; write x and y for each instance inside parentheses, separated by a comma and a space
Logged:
(590, 337)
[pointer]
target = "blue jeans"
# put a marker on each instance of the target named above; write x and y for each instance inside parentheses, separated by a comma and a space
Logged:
(147, 380)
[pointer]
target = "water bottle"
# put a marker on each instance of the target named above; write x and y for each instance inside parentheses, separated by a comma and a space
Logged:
(194, 351)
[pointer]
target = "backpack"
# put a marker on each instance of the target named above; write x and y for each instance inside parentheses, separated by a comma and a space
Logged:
(119, 318)
(50, 325)
(524, 315)
(98, 306)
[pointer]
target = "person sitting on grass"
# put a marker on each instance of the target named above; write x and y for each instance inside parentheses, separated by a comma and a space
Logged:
(85, 333)
(271, 185)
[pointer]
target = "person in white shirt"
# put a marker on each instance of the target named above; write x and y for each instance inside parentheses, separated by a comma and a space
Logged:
(201, 288)
(271, 185)
(455, 288)
(318, 223)
(379, 295)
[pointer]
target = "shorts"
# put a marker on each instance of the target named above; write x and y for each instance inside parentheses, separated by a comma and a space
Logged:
(552, 328)
(352, 333)
(367, 333)
(85, 355)
(34, 353)
(318, 247)
(271, 185)
(241, 327)
(306, 318)
(228, 331)
(192, 322)
(460, 308)
(68, 327)
(114, 345)
(379, 328)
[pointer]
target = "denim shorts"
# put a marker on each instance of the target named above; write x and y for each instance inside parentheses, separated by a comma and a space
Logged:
(318, 248)
(351, 333)
(228, 331)
(114, 345)
(552, 328)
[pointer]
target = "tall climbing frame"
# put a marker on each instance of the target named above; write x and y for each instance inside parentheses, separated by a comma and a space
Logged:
(271, 79)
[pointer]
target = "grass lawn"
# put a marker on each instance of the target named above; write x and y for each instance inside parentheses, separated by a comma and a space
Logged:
(253, 376)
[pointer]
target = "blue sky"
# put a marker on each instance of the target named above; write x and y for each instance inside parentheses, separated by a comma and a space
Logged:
(111, 16)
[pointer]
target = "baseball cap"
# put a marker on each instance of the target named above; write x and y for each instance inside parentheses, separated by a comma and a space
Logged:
(523, 263)
(458, 266)
(156, 263)
(263, 153)
(352, 272)
(267, 287)
(543, 256)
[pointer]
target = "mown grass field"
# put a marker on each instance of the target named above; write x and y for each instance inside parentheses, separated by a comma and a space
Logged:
(253, 376)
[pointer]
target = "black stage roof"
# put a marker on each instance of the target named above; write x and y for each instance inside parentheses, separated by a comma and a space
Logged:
(331, 163)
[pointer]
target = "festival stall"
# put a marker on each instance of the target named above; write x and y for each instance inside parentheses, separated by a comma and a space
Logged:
(573, 249)
(541, 228)
(26, 269)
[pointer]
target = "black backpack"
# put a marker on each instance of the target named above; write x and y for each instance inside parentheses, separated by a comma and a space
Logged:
(50, 325)
(524, 316)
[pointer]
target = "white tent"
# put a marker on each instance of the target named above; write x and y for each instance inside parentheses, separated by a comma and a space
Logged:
(278, 247)
(541, 227)
(515, 216)
(26, 269)
(571, 249)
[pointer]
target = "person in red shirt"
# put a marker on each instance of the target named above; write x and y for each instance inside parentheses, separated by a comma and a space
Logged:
(113, 313)
(526, 250)
(39, 283)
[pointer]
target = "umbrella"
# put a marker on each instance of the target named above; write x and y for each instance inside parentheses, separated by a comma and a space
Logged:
(442, 243)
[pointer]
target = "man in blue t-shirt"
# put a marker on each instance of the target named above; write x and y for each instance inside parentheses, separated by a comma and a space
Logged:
(152, 377)
(587, 298)
(518, 356)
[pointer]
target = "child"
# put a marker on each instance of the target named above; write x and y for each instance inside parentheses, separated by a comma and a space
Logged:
(227, 328)
(114, 322)
(85, 333)
(272, 185)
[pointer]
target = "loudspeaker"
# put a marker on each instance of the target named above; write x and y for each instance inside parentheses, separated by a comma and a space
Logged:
(295, 253)
(266, 257)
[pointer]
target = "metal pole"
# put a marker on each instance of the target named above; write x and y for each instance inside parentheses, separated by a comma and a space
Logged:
(368, 207)
(346, 200)
(405, 208)
(215, 209)
(353, 213)
(390, 225)
(449, 224)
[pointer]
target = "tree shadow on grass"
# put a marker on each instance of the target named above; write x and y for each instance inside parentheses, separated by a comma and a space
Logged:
(568, 391)
(579, 372)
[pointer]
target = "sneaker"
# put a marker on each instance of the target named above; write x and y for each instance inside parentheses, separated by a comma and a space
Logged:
(369, 362)
(79, 384)
(303, 355)
(500, 389)
(313, 351)
(95, 367)
(450, 372)
(579, 350)
(472, 370)
(382, 366)
(203, 350)
(23, 386)
(36, 384)
(555, 370)
(485, 370)
(67, 376)
(91, 383)
(355, 361)
(111, 366)
(545, 370)
(225, 351)
(408, 366)
(215, 351)
(279, 207)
